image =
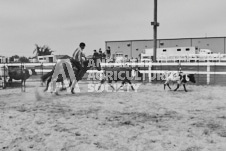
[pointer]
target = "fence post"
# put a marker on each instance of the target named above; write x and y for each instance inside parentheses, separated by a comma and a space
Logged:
(143, 74)
(208, 73)
(149, 71)
(24, 77)
(4, 78)
(42, 67)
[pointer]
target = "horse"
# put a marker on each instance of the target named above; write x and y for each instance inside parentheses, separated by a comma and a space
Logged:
(65, 69)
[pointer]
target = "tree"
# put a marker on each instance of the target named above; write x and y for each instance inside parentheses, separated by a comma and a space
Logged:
(47, 50)
(11, 59)
(24, 59)
(17, 58)
(42, 51)
(37, 50)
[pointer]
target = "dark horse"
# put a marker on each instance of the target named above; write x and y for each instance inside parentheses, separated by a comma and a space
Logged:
(87, 64)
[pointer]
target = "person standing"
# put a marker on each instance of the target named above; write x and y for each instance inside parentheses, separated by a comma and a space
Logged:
(126, 59)
(100, 54)
(95, 54)
(108, 51)
(104, 55)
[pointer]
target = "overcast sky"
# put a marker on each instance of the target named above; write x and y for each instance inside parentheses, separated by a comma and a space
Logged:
(63, 24)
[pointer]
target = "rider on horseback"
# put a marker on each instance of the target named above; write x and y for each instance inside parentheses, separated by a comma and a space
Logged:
(77, 57)
(76, 60)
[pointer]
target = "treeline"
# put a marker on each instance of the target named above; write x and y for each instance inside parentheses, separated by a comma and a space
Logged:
(39, 51)
(16, 58)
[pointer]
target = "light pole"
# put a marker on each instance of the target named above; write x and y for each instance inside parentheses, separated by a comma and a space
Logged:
(155, 24)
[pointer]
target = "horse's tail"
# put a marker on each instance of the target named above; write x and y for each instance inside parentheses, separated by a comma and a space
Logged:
(47, 75)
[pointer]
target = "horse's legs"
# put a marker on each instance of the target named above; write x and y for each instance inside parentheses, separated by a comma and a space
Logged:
(54, 87)
(10, 81)
(165, 85)
(62, 83)
(47, 84)
(101, 82)
(184, 87)
(70, 83)
(72, 77)
(168, 86)
(74, 81)
(63, 86)
(110, 83)
(23, 85)
(130, 84)
(178, 85)
(123, 82)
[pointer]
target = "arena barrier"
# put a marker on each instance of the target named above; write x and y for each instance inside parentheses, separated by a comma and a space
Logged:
(205, 72)
(192, 58)
(213, 73)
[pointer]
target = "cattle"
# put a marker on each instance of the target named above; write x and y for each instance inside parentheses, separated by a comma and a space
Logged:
(124, 74)
(20, 74)
(179, 78)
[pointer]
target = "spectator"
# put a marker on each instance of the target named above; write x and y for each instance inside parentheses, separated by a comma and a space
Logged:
(136, 60)
(139, 56)
(100, 53)
(126, 59)
(108, 51)
(95, 54)
(104, 55)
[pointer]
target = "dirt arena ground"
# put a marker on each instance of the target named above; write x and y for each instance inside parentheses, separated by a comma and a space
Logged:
(150, 119)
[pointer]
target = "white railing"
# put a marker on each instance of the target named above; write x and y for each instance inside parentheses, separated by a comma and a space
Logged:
(193, 58)
(149, 70)
(127, 64)
(149, 66)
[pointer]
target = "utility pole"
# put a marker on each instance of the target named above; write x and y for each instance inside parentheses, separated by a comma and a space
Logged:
(155, 24)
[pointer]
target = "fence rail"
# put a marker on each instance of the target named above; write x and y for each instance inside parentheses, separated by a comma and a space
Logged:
(206, 72)
(193, 58)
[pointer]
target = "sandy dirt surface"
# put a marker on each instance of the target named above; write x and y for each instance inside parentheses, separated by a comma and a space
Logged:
(150, 119)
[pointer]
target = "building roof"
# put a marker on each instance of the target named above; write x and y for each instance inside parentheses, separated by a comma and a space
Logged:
(161, 39)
